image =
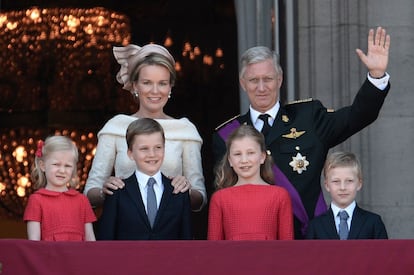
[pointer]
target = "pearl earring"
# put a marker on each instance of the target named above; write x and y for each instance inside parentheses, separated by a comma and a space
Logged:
(135, 94)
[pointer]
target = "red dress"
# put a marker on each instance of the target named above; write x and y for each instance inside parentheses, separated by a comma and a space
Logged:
(62, 215)
(250, 212)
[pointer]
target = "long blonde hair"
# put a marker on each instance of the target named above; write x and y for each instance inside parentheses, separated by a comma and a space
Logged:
(44, 149)
(225, 175)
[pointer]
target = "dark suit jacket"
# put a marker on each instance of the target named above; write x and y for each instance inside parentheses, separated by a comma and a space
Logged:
(124, 216)
(364, 225)
(323, 129)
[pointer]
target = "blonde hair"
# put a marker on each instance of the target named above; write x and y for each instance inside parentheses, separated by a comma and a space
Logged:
(342, 159)
(225, 175)
(53, 144)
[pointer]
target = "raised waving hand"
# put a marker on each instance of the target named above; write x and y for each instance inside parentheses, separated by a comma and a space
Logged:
(376, 58)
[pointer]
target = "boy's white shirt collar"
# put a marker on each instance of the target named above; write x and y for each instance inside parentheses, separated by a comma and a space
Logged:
(142, 185)
(143, 178)
(349, 209)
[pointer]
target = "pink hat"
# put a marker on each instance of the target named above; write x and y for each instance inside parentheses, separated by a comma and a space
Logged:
(131, 55)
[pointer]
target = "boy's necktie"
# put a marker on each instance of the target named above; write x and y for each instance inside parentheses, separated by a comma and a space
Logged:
(151, 201)
(343, 225)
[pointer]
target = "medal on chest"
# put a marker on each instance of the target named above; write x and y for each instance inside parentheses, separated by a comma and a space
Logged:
(299, 162)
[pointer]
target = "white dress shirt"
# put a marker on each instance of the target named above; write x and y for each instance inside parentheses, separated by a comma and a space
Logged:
(380, 83)
(142, 184)
(257, 122)
(349, 209)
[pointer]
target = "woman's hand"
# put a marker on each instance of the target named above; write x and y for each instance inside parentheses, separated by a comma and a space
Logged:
(180, 184)
(111, 184)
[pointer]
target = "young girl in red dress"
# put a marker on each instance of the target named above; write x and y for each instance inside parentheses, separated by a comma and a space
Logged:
(247, 205)
(57, 212)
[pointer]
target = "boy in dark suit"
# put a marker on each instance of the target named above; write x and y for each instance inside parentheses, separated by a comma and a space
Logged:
(146, 209)
(344, 219)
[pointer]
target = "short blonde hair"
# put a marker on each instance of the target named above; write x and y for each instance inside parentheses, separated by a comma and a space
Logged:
(342, 159)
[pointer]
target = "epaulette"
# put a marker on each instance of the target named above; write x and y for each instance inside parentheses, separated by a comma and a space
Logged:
(227, 121)
(300, 101)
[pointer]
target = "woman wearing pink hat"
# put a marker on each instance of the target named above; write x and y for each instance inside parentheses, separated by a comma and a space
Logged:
(148, 73)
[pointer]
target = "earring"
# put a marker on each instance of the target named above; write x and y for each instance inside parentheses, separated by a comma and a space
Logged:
(169, 95)
(135, 95)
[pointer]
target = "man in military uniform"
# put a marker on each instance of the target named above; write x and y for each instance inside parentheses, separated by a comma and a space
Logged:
(299, 135)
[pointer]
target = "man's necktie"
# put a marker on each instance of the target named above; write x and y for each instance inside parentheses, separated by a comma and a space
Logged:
(266, 125)
(151, 201)
(343, 225)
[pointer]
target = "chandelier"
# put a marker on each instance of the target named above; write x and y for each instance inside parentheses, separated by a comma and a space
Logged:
(73, 27)
(43, 51)
(55, 69)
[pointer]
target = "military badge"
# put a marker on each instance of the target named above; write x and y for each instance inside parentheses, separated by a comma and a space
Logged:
(294, 133)
(285, 118)
(299, 163)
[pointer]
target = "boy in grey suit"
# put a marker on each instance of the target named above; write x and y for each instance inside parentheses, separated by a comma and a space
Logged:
(343, 179)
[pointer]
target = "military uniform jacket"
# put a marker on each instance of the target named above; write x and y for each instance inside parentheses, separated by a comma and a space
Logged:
(303, 133)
